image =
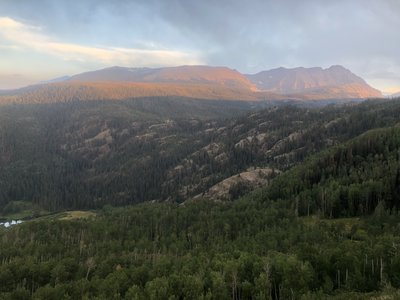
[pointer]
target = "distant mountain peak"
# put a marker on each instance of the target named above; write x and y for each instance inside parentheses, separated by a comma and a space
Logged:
(200, 81)
(198, 74)
(333, 82)
(337, 67)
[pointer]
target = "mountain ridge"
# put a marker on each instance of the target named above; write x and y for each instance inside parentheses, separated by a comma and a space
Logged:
(307, 80)
(182, 74)
(201, 82)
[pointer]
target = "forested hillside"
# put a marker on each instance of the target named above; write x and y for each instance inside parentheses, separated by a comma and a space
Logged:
(350, 180)
(264, 246)
(73, 155)
(199, 150)
(323, 226)
(86, 155)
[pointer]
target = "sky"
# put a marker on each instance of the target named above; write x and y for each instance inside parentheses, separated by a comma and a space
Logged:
(45, 39)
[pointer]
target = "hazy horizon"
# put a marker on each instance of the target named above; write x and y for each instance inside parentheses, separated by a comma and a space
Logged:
(46, 39)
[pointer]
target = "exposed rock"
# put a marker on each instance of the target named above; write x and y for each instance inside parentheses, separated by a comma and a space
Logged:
(248, 180)
(334, 82)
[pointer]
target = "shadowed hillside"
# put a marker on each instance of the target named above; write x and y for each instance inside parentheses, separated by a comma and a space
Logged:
(88, 154)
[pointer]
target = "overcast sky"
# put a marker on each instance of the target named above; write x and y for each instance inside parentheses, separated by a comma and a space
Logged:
(43, 39)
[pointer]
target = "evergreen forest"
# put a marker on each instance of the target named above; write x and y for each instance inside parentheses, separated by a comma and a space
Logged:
(199, 199)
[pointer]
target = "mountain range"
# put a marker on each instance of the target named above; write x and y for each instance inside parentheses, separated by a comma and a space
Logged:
(239, 198)
(334, 81)
(201, 82)
(221, 76)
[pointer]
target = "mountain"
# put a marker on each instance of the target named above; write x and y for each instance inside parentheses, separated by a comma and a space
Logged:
(58, 79)
(220, 76)
(197, 82)
(314, 83)
(118, 83)
(68, 91)
(89, 154)
(325, 229)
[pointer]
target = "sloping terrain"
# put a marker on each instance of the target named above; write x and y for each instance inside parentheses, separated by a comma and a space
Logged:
(348, 180)
(194, 75)
(284, 241)
(197, 82)
(237, 185)
(118, 83)
(85, 155)
(314, 83)
(93, 91)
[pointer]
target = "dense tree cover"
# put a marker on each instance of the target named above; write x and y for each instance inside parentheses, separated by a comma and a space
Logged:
(49, 154)
(328, 228)
(242, 250)
(86, 155)
(348, 180)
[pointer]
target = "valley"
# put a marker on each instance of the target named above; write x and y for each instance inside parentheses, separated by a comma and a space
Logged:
(216, 197)
(199, 150)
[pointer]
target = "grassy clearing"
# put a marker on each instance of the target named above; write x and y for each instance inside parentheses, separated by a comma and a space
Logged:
(77, 214)
(67, 215)
(25, 210)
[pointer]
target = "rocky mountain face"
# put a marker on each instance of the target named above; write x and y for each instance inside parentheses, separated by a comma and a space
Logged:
(201, 82)
(314, 83)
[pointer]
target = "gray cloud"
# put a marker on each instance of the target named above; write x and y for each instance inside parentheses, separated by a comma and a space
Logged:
(246, 35)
